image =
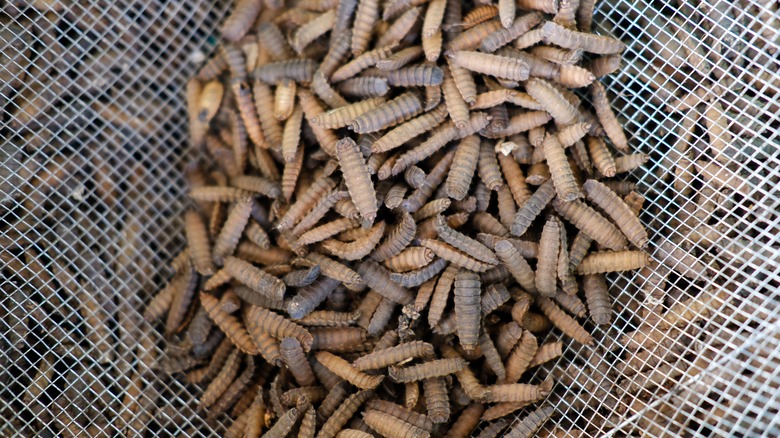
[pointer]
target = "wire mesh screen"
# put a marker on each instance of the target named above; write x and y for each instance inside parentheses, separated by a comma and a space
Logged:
(93, 146)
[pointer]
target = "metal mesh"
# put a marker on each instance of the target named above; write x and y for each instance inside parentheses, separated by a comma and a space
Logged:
(94, 107)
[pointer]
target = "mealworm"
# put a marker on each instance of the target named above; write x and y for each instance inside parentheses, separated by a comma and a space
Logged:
(569, 39)
(227, 240)
(546, 270)
(617, 209)
(436, 399)
(486, 223)
(592, 223)
(517, 266)
(391, 426)
(378, 279)
(365, 18)
(510, 31)
(453, 255)
(473, 37)
(240, 20)
(229, 324)
(627, 163)
(492, 65)
(519, 358)
(612, 261)
(399, 30)
(344, 369)
(508, 335)
(407, 131)
(607, 118)
(463, 242)
(398, 239)
(315, 394)
(160, 304)
(293, 356)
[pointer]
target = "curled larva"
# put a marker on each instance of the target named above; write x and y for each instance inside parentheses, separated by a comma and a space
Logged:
(612, 261)
(397, 239)
(410, 259)
(467, 289)
(312, 30)
(327, 230)
(359, 248)
(400, 29)
(618, 210)
(378, 279)
(346, 371)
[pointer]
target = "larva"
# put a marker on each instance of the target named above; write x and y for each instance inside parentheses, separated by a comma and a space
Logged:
(240, 20)
(326, 230)
(569, 135)
(330, 318)
(228, 372)
(517, 266)
(494, 296)
(393, 355)
(301, 277)
(492, 358)
(515, 179)
(518, 360)
(357, 178)
(398, 239)
(553, 102)
(210, 101)
(407, 131)
(557, 55)
(417, 75)
(510, 32)
(359, 248)
(315, 394)
(229, 324)
(598, 298)
(378, 279)
(270, 126)
(343, 116)
(426, 370)
(160, 304)
(432, 46)
(441, 294)
(486, 223)
(415, 177)
(453, 255)
(299, 70)
(214, 67)
(346, 371)
(463, 166)
(218, 194)
(333, 399)
(627, 163)
(546, 268)
(255, 278)
(603, 65)
(612, 261)
(308, 424)
(463, 242)
(618, 210)
(183, 287)
(293, 356)
(564, 322)
(234, 57)
(473, 37)
(284, 424)
(516, 392)
(390, 426)
(523, 122)
(400, 59)
(399, 30)
(467, 308)
(227, 240)
(309, 297)
(337, 271)
(339, 339)
(508, 335)
(488, 169)
(278, 326)
(365, 18)
(547, 352)
(528, 426)
(312, 30)
(306, 202)
(381, 317)
(432, 208)
(360, 63)
(198, 240)
(353, 433)
(387, 114)
(592, 223)
(274, 41)
(607, 118)
(247, 109)
(569, 39)
(601, 156)
(436, 399)
(256, 184)
(417, 277)
(492, 65)
(365, 86)
(249, 252)
(479, 15)
(235, 390)
(400, 412)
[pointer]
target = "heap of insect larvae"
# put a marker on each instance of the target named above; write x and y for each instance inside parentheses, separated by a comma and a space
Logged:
(402, 210)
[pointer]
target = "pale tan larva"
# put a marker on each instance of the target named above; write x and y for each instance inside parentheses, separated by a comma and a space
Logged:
(519, 359)
(493, 65)
(612, 261)
(227, 240)
(312, 30)
(531, 209)
(360, 63)
(432, 46)
(346, 371)
(473, 37)
(553, 102)
(406, 131)
(463, 242)
(229, 324)
(343, 116)
(400, 58)
(601, 156)
(592, 223)
(423, 75)
(453, 255)
(560, 170)
(569, 39)
(607, 117)
(365, 18)
(517, 265)
(263, 100)
(387, 114)
(488, 169)
(357, 178)
(463, 167)
(198, 239)
(399, 29)
(359, 248)
(456, 105)
(507, 34)
(364, 86)
(617, 209)
(299, 70)
(546, 270)
(254, 277)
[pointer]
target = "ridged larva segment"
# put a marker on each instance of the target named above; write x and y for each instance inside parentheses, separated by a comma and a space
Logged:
(516, 392)
(463, 242)
(488, 169)
(441, 294)
(627, 163)
(532, 208)
(529, 425)
(274, 41)
(284, 424)
(436, 399)
(426, 370)
(494, 296)
(235, 59)
(564, 322)
(523, 122)
(570, 39)
(248, 110)
(468, 311)
(432, 208)
(547, 264)
(263, 101)
(320, 209)
(198, 240)
(400, 59)
(456, 105)
(229, 324)
(419, 276)
(412, 417)
(309, 297)
(346, 371)
(241, 19)
(433, 17)
(315, 394)
(394, 355)
(227, 240)
(365, 19)
(255, 278)
(364, 86)
(618, 210)
(467, 379)
(183, 286)
(399, 30)
(479, 15)
(597, 296)
(337, 271)
(517, 266)
(257, 184)
(546, 353)
(511, 32)
(607, 118)
(360, 63)
(213, 67)
(378, 279)
(407, 131)
(463, 167)
(312, 30)
(221, 381)
(613, 261)
(432, 46)
(399, 238)
(327, 230)
(358, 179)
(603, 65)
(591, 222)
(343, 413)
(453, 255)
(492, 358)
(330, 318)
(553, 102)
(306, 202)
(357, 249)
(218, 194)
(518, 360)
(284, 99)
(385, 115)
(493, 65)
(472, 38)
(486, 223)
(343, 116)
(548, 6)
(601, 156)
(506, 12)
(293, 356)
(569, 135)
(299, 70)
(392, 427)
(278, 326)
(515, 179)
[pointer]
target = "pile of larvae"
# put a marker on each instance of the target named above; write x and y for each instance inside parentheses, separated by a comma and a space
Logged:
(399, 205)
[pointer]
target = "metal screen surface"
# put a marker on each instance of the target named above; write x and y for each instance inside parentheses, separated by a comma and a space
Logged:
(94, 132)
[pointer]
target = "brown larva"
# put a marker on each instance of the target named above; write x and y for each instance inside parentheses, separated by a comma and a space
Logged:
(393, 427)
(417, 198)
(532, 422)
(406, 131)
(607, 118)
(365, 18)
(360, 63)
(312, 30)
(553, 102)
(234, 57)
(246, 106)
(432, 46)
(299, 70)
(222, 380)
(293, 356)
(274, 41)
(523, 122)
(330, 318)
(346, 371)
(591, 222)
(229, 324)
(564, 322)
(546, 268)
(393, 355)
(414, 176)
(256, 184)
(488, 169)
(517, 266)
(467, 308)
(441, 295)
(381, 317)
(618, 210)
(453, 255)
(436, 399)
(463, 167)
(399, 30)
(518, 360)
(514, 178)
(327, 230)
(218, 194)
(486, 223)
(510, 32)
(400, 412)
(284, 99)
(627, 163)
(198, 240)
(306, 202)
(183, 287)
(398, 239)
(357, 249)
(340, 339)
(364, 86)
(214, 67)
(387, 114)
(357, 178)
(240, 20)
(612, 261)
(419, 276)
(337, 271)
(225, 243)
(254, 278)
(235, 390)
(479, 15)
(210, 101)
(569, 135)
(325, 91)
(160, 304)
(264, 100)
(492, 358)
(417, 75)
(343, 116)
(473, 37)
(557, 55)
(569, 39)
(378, 279)
(315, 394)
(547, 352)
(432, 208)
(494, 296)
(284, 424)
(528, 39)
(601, 156)
(400, 59)
(250, 252)
(426, 370)
(598, 298)
(278, 326)
(603, 65)
(516, 392)
(493, 65)
(463, 242)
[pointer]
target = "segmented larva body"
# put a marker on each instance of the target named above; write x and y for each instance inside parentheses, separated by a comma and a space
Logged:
(612, 261)
(338, 271)
(467, 308)
(390, 426)
(407, 131)
(387, 114)
(517, 266)
(492, 65)
(218, 194)
(432, 46)
(417, 277)
(569, 135)
(360, 63)
(235, 60)
(516, 392)
(597, 296)
(591, 222)
(495, 296)
(436, 399)
(257, 184)
(246, 107)
(378, 279)
(564, 322)
(398, 239)
(523, 122)
(546, 269)
(229, 324)
(508, 335)
(343, 413)
(221, 381)
(346, 371)
(364, 86)
(225, 244)
(532, 208)
(313, 29)
(330, 318)
(299, 70)
(263, 101)
(198, 240)
(515, 179)
(327, 230)
(426, 370)
(293, 356)
(183, 293)
(399, 29)
(365, 18)
(393, 355)
(398, 411)
(519, 358)
(359, 248)
(315, 394)
(343, 116)
(400, 59)
(570, 39)
(240, 20)
(488, 169)
(607, 118)
(463, 166)
(553, 102)
(473, 37)
(255, 278)
(463, 242)
(453, 255)
(618, 210)
(441, 295)
(306, 202)
(278, 326)
(509, 33)
(531, 423)
(357, 178)
(601, 156)
(479, 15)
(627, 163)
(210, 101)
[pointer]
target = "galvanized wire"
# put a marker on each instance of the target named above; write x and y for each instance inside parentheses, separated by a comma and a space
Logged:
(93, 92)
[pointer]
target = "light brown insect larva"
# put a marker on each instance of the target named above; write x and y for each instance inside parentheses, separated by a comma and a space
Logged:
(426, 370)
(463, 167)
(393, 355)
(301, 277)
(250, 252)
(284, 424)
(603, 65)
(213, 67)
(398, 239)
(274, 41)
(415, 177)
(327, 230)
(198, 240)
(357, 178)
(569, 39)
(343, 116)
(463, 242)
(494, 296)
(532, 208)
(183, 293)
(516, 392)
(563, 321)
(235, 60)
(381, 317)
(227, 240)
(364, 86)
(277, 326)
(509, 33)
(407, 131)
(240, 20)
(391, 426)
(441, 294)
(229, 324)
(536, 138)
(508, 335)
(486, 223)
(322, 88)
(488, 169)
(160, 304)
(612, 261)
(569, 135)
(360, 63)
(399, 30)
(517, 266)
(210, 101)
(284, 99)
(601, 156)
(353, 433)
(518, 360)
(217, 387)
(339, 339)
(591, 222)
(255, 278)
(473, 37)
(387, 114)
(330, 318)
(514, 178)
(453, 255)
(627, 163)
(417, 75)
(598, 298)
(263, 100)
(235, 390)
(557, 55)
(523, 122)
(313, 29)
(400, 412)
(618, 210)
(553, 102)
(432, 208)
(218, 194)
(293, 356)
(479, 15)
(432, 46)
(359, 248)
(607, 118)
(378, 279)
(467, 308)
(546, 268)
(336, 270)
(315, 394)
(299, 70)
(532, 422)
(248, 110)
(436, 399)
(256, 184)
(346, 371)
(365, 18)
(400, 59)
(493, 65)
(306, 202)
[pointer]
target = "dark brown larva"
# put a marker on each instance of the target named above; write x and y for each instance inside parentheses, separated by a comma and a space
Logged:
(227, 240)
(278, 326)
(546, 268)
(436, 399)
(617, 209)
(426, 370)
(293, 356)
(467, 308)
(391, 426)
(198, 239)
(378, 279)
